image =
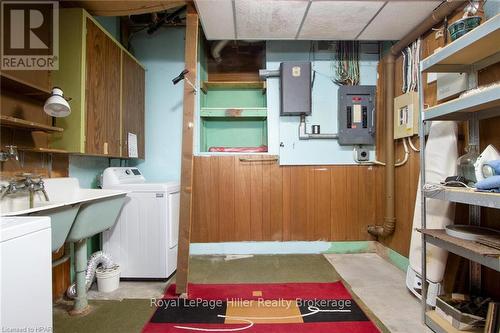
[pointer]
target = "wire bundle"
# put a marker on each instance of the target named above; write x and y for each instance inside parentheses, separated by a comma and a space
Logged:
(347, 69)
(411, 58)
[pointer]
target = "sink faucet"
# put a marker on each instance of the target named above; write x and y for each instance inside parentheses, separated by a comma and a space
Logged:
(25, 184)
(33, 186)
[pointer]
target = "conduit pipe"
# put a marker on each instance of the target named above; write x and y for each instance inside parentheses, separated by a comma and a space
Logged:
(303, 135)
(445, 9)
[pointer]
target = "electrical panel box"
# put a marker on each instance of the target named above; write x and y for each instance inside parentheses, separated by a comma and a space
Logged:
(295, 84)
(406, 115)
(450, 85)
(356, 115)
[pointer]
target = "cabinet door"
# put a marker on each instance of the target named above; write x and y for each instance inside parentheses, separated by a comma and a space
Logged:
(132, 103)
(102, 92)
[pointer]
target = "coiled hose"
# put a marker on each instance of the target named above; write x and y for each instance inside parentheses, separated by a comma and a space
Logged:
(96, 259)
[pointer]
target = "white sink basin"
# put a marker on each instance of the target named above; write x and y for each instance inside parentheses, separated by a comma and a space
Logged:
(12, 205)
(66, 199)
(61, 191)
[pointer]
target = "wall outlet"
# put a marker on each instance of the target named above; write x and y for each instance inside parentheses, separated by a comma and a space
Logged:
(362, 154)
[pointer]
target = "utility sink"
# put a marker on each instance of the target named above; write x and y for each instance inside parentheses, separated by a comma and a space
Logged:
(98, 210)
(75, 213)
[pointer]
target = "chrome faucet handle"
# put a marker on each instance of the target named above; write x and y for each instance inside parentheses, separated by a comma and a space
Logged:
(45, 195)
(12, 188)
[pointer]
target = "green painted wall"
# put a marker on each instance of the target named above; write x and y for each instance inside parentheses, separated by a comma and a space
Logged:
(234, 98)
(233, 132)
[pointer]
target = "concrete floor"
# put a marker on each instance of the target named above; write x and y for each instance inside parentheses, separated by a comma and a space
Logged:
(381, 286)
(375, 282)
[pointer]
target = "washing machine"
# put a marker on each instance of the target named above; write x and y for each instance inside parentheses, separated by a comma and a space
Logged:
(144, 239)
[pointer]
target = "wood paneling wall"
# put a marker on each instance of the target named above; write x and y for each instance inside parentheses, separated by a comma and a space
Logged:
(407, 175)
(235, 200)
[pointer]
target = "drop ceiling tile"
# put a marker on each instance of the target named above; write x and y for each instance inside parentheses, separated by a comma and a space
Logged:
(338, 20)
(269, 19)
(397, 19)
(216, 18)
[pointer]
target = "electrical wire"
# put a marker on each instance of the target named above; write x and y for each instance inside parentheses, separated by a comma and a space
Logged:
(433, 189)
(412, 145)
(376, 162)
(411, 59)
(407, 154)
(347, 63)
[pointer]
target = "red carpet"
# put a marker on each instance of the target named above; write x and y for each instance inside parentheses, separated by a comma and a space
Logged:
(286, 308)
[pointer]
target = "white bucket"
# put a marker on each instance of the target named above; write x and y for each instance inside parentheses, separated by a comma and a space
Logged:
(108, 279)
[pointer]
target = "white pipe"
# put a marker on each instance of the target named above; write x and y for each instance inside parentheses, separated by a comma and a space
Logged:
(217, 48)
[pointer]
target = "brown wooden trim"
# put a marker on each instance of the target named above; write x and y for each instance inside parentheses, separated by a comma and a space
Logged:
(124, 8)
(191, 58)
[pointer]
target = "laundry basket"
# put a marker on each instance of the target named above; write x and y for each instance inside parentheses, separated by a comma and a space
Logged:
(108, 279)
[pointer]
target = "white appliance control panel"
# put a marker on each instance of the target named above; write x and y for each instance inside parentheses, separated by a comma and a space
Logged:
(121, 175)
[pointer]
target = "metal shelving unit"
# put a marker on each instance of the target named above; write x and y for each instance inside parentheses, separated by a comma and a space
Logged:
(466, 196)
(471, 250)
(486, 101)
(469, 53)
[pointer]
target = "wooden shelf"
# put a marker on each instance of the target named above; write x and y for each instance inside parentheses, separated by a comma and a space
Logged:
(43, 150)
(486, 103)
(439, 325)
(11, 83)
(235, 84)
(8, 121)
(103, 155)
(471, 250)
(478, 48)
(206, 85)
(466, 196)
(234, 112)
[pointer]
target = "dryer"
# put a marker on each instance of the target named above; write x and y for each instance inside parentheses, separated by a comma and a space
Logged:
(144, 239)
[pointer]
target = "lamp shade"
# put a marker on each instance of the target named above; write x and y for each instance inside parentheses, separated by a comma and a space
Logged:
(56, 105)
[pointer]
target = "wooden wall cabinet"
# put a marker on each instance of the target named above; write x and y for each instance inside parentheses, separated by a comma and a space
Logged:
(106, 85)
(133, 91)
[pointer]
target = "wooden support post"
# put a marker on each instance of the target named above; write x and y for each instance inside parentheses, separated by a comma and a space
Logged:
(191, 59)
